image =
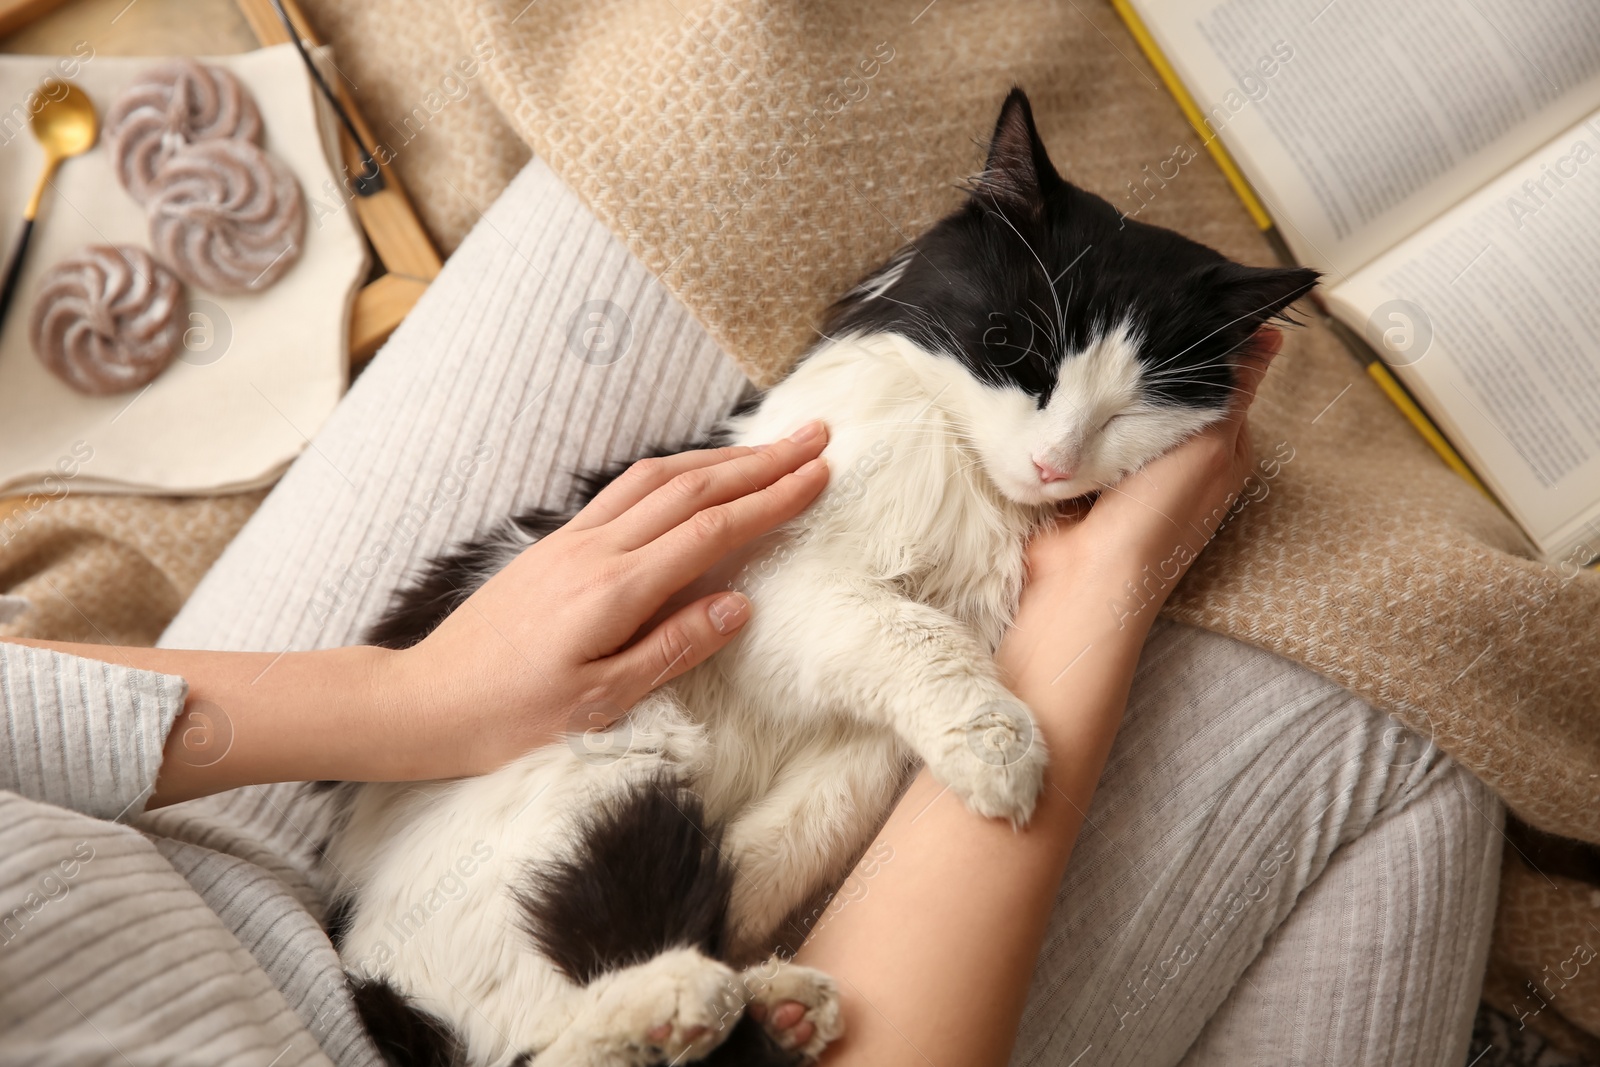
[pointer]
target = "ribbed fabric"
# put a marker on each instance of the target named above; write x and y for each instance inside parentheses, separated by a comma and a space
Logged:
(80, 734)
(200, 941)
(1380, 962)
(1266, 852)
(108, 956)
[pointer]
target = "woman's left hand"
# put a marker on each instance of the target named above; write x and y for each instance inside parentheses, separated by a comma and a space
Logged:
(565, 638)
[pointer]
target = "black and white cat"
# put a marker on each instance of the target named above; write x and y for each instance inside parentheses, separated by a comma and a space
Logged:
(616, 906)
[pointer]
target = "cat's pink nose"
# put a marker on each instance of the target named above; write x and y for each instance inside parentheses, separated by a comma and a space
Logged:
(1048, 473)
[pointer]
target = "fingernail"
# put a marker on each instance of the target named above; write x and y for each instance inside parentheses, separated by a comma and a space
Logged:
(812, 466)
(807, 432)
(729, 612)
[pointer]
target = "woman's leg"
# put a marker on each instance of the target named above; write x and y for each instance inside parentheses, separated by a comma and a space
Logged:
(1272, 872)
(1382, 959)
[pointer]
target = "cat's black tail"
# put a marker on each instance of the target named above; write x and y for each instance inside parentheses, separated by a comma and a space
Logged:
(406, 1035)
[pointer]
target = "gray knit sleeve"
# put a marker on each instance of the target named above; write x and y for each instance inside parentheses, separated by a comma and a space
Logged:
(82, 734)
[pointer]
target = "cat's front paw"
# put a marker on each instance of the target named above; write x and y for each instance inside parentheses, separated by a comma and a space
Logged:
(994, 760)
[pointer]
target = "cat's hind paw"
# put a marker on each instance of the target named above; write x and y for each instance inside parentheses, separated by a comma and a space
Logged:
(798, 1006)
(674, 1008)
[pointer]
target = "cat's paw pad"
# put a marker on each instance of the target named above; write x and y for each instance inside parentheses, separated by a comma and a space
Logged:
(995, 761)
(678, 1006)
(798, 1006)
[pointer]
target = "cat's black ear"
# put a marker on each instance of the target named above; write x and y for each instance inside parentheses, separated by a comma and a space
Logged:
(1253, 296)
(1018, 171)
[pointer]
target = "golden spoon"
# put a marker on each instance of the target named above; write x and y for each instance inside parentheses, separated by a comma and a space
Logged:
(65, 126)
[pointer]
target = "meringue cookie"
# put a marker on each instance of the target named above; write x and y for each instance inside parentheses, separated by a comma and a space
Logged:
(225, 216)
(170, 107)
(107, 319)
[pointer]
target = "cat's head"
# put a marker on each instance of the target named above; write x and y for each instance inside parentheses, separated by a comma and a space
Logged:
(1079, 344)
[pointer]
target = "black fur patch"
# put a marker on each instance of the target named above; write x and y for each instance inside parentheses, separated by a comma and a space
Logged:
(748, 402)
(647, 876)
(1578, 860)
(338, 923)
(406, 1036)
(1032, 269)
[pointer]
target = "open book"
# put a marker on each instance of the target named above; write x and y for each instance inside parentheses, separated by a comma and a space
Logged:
(1439, 160)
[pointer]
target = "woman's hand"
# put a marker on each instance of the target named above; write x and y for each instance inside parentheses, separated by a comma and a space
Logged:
(558, 641)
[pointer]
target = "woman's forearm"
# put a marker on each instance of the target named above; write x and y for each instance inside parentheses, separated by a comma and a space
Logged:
(503, 674)
(934, 940)
(252, 718)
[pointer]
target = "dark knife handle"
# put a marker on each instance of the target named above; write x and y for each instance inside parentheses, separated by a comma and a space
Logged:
(14, 270)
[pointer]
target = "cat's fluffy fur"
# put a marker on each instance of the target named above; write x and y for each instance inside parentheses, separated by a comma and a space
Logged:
(1033, 347)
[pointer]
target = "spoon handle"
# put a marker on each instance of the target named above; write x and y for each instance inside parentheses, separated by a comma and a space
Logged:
(14, 269)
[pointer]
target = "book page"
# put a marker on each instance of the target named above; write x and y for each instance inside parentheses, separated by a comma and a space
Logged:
(1491, 316)
(1359, 121)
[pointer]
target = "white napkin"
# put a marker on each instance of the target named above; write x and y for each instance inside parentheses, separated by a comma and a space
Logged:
(260, 372)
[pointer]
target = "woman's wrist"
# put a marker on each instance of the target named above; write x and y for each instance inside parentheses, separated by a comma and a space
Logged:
(255, 718)
(419, 733)
(1077, 609)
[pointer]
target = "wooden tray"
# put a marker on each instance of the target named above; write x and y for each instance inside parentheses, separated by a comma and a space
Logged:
(402, 245)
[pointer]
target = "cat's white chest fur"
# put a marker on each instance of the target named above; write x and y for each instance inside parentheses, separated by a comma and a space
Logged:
(907, 502)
